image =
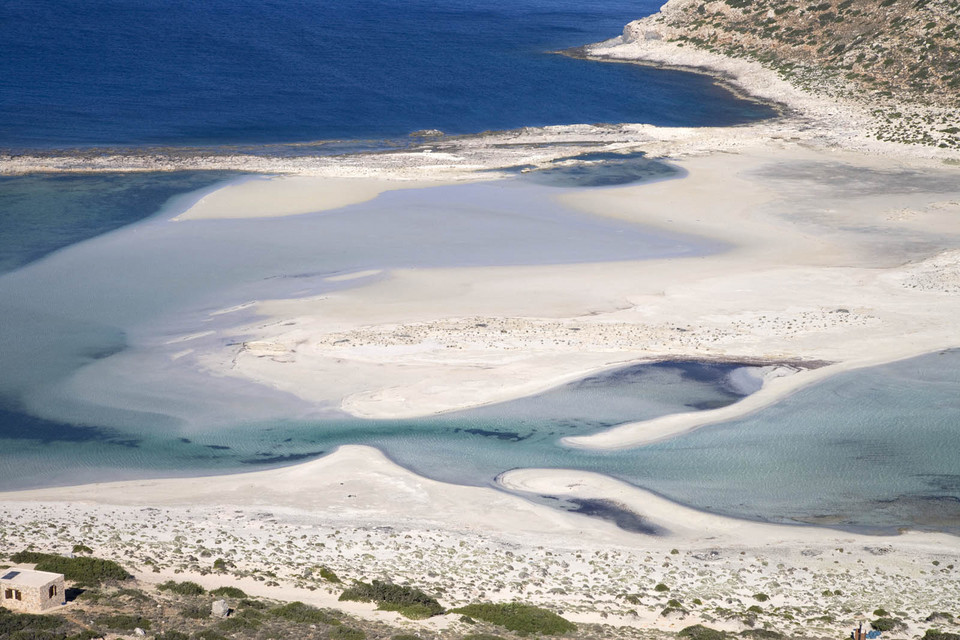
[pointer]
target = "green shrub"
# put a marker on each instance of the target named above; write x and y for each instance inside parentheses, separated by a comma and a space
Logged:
(408, 601)
(82, 548)
(196, 612)
(228, 592)
(235, 624)
(939, 615)
(755, 609)
(662, 588)
(85, 572)
(347, 633)
(209, 634)
(172, 635)
(406, 636)
(328, 575)
(243, 620)
(761, 597)
(182, 588)
(30, 626)
(936, 634)
(700, 632)
(762, 634)
(521, 618)
(304, 614)
(880, 613)
(885, 624)
(220, 565)
(482, 636)
(123, 622)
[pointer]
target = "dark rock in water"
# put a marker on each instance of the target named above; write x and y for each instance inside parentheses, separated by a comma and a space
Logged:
(602, 169)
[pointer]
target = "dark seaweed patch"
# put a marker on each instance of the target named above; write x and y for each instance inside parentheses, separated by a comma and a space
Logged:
(499, 435)
(17, 425)
(274, 459)
(706, 405)
(614, 512)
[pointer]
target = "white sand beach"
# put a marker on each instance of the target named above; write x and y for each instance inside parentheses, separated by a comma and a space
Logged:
(365, 518)
(838, 259)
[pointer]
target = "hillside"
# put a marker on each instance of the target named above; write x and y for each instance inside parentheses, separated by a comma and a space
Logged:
(900, 57)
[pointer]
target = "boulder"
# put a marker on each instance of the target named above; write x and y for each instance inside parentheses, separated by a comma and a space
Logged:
(220, 609)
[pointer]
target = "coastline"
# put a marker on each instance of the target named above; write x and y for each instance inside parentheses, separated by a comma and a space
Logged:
(380, 521)
(774, 295)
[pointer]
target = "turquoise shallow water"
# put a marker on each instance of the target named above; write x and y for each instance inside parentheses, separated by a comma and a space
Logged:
(88, 390)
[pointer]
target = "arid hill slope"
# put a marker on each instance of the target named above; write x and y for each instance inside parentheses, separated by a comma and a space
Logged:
(903, 56)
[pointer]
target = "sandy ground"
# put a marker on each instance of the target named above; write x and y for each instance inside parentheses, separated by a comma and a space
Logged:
(835, 257)
(262, 196)
(365, 518)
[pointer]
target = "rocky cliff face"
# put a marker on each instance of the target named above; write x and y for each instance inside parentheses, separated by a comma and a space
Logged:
(903, 56)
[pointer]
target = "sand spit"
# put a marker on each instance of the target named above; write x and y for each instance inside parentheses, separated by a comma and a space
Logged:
(835, 257)
(365, 518)
(261, 197)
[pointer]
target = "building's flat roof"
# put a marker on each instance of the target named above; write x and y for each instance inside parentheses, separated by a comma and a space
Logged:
(27, 577)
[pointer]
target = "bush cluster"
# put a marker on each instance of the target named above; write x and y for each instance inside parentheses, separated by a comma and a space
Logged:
(700, 632)
(328, 575)
(23, 626)
(85, 572)
(304, 614)
(123, 622)
(182, 588)
(407, 601)
(885, 624)
(521, 618)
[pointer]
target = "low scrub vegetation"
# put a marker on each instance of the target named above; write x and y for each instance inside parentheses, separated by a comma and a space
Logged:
(85, 572)
(304, 614)
(183, 588)
(521, 618)
(407, 601)
(228, 592)
(17, 626)
(121, 622)
(700, 632)
(886, 624)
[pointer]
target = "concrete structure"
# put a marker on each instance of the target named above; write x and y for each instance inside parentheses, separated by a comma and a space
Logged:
(31, 591)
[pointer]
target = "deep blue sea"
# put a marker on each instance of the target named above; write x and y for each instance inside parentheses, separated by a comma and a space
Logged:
(183, 72)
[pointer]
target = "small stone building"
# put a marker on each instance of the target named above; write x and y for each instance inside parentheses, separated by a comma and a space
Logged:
(31, 591)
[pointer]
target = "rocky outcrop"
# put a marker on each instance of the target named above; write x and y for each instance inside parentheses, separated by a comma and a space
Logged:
(903, 56)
